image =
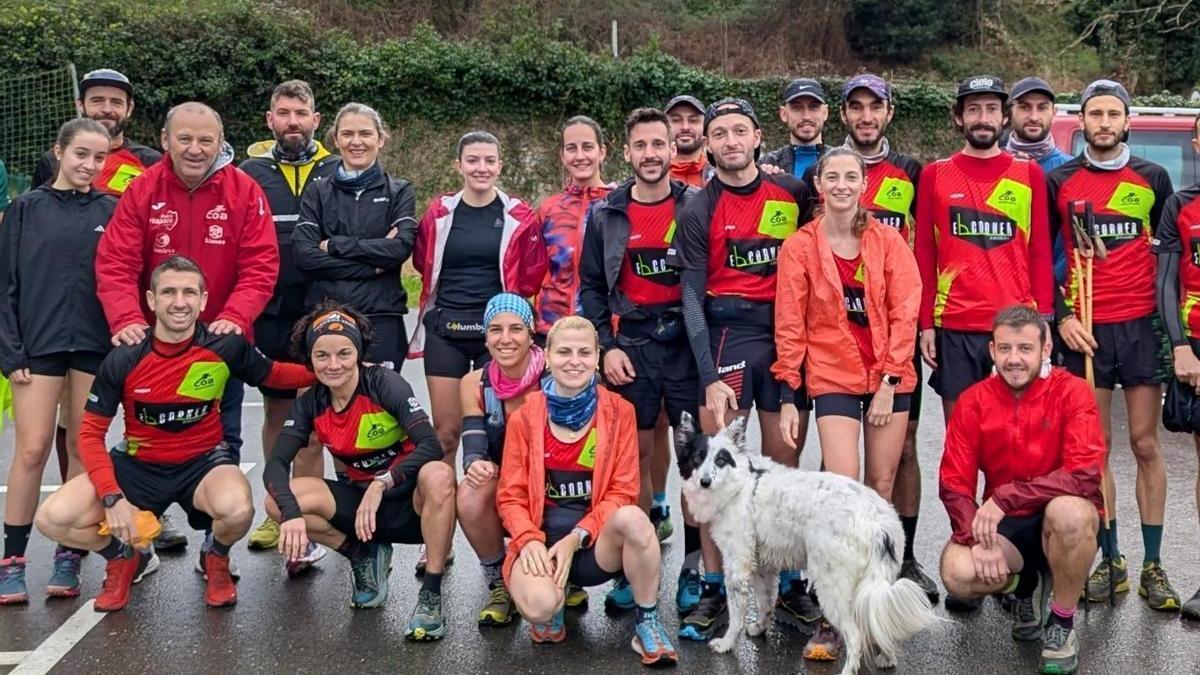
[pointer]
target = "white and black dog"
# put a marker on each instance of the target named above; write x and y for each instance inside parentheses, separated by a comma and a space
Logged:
(765, 517)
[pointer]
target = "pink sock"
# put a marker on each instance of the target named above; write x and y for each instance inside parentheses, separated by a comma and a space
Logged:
(1060, 612)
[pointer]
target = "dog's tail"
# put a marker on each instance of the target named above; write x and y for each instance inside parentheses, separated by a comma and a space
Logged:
(888, 610)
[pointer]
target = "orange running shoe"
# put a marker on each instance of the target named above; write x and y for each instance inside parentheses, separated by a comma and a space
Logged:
(220, 590)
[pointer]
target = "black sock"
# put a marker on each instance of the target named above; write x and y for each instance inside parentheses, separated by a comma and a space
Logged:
(909, 523)
(115, 548)
(220, 549)
(1026, 582)
(16, 540)
(691, 539)
(60, 450)
(644, 613)
(354, 549)
(77, 551)
(432, 582)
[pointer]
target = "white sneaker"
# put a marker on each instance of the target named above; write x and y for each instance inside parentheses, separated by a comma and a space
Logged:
(295, 568)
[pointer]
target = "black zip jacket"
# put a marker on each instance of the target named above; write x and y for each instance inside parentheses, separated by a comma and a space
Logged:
(785, 158)
(285, 184)
(605, 238)
(361, 266)
(48, 300)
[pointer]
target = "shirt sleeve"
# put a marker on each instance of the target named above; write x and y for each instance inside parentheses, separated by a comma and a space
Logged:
(925, 244)
(119, 262)
(959, 474)
(252, 367)
(257, 261)
(387, 253)
(292, 437)
(1166, 244)
(1041, 261)
(12, 347)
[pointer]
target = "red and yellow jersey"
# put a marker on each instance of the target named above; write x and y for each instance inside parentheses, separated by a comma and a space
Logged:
(982, 241)
(645, 277)
(891, 193)
(1179, 232)
(1125, 207)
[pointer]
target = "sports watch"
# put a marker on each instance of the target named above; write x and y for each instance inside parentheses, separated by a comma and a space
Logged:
(893, 380)
(111, 500)
(386, 478)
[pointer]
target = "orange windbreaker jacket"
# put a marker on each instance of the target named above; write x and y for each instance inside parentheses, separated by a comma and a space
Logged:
(811, 327)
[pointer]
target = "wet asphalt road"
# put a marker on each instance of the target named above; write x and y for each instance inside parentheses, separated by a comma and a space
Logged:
(307, 624)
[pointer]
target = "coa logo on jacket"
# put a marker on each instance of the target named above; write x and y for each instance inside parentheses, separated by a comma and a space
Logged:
(218, 212)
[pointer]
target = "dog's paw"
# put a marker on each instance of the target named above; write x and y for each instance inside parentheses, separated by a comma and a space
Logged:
(722, 645)
(755, 629)
(885, 661)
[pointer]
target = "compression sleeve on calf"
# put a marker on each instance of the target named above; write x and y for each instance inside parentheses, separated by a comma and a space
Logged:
(94, 454)
(1168, 296)
(277, 475)
(692, 283)
(474, 440)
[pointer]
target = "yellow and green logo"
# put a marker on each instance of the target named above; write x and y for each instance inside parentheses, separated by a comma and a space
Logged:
(1132, 200)
(587, 456)
(1014, 200)
(779, 219)
(204, 380)
(377, 431)
(895, 194)
(670, 235)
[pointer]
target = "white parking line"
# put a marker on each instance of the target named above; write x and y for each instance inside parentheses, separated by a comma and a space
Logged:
(49, 653)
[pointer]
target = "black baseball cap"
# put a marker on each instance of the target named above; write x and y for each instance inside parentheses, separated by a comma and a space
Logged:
(105, 77)
(1105, 88)
(1030, 85)
(804, 86)
(731, 106)
(684, 99)
(982, 84)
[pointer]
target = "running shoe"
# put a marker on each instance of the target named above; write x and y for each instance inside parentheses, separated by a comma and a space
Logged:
(652, 642)
(370, 574)
(265, 536)
(1191, 608)
(64, 578)
(1029, 614)
(824, 645)
(220, 590)
(912, 570)
(295, 568)
(1156, 589)
(1097, 584)
(1060, 650)
(119, 574)
(687, 590)
(796, 606)
(576, 597)
(553, 632)
(12, 581)
(152, 564)
(171, 537)
(204, 548)
(703, 621)
(661, 521)
(956, 604)
(499, 609)
(423, 560)
(620, 596)
(426, 623)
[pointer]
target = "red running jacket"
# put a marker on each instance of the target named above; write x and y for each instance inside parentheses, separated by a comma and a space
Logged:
(1046, 444)
(224, 225)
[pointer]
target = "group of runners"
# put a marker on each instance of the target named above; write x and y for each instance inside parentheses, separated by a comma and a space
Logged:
(819, 279)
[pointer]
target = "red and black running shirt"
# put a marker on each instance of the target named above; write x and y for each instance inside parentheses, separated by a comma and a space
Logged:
(383, 428)
(1179, 232)
(645, 277)
(982, 241)
(853, 276)
(891, 194)
(1126, 205)
(569, 468)
(171, 394)
(734, 233)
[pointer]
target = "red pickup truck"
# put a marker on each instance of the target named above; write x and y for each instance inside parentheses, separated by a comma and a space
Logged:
(1161, 135)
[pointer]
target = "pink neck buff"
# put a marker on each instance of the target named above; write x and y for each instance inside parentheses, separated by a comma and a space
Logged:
(507, 387)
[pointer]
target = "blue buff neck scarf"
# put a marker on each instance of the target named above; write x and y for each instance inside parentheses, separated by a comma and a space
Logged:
(571, 412)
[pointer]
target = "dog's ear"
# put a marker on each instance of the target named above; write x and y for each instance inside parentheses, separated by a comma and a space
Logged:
(736, 432)
(686, 431)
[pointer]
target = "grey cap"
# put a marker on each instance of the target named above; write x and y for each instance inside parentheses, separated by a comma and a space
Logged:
(1105, 88)
(1030, 85)
(688, 100)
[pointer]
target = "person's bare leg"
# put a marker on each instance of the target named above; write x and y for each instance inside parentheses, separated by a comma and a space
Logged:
(772, 438)
(72, 514)
(317, 506)
(883, 448)
(1069, 539)
(839, 444)
(646, 451)
(627, 542)
(447, 413)
(476, 512)
(35, 406)
(1145, 409)
(224, 494)
(660, 462)
(434, 500)
(79, 385)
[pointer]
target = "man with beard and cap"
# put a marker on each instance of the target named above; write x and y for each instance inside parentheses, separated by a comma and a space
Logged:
(194, 203)
(726, 248)
(1118, 199)
(982, 244)
(804, 111)
(624, 274)
(689, 165)
(284, 167)
(106, 96)
(1035, 529)
(890, 195)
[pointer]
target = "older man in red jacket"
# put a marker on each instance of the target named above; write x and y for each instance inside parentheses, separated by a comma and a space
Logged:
(193, 203)
(1034, 433)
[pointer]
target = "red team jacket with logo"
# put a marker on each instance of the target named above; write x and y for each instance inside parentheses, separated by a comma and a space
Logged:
(1179, 232)
(1126, 206)
(224, 225)
(982, 241)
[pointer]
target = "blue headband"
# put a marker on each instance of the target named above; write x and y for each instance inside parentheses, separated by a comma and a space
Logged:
(510, 303)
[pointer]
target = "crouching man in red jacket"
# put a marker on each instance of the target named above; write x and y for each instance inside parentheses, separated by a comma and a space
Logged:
(1035, 434)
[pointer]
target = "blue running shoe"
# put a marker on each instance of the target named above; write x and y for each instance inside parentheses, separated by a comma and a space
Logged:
(426, 623)
(687, 593)
(553, 632)
(620, 597)
(652, 642)
(12, 582)
(370, 575)
(64, 579)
